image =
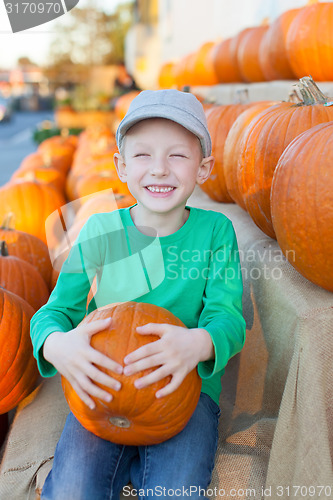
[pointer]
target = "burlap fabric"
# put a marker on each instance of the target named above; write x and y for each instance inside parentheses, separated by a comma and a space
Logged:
(276, 427)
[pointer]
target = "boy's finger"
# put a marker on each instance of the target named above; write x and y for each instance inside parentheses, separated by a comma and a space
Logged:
(152, 329)
(83, 395)
(143, 364)
(102, 378)
(142, 352)
(169, 388)
(96, 326)
(104, 361)
(151, 378)
(91, 389)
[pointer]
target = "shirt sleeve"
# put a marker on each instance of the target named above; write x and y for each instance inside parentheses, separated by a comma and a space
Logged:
(67, 303)
(222, 311)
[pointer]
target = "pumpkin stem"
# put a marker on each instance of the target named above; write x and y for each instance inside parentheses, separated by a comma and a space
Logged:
(294, 96)
(3, 249)
(8, 221)
(313, 90)
(265, 21)
(306, 98)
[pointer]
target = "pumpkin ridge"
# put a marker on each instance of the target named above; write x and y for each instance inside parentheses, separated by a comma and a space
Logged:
(13, 361)
(23, 385)
(313, 193)
(5, 305)
(129, 348)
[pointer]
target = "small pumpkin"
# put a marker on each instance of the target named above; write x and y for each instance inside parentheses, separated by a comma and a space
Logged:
(18, 368)
(134, 416)
(302, 204)
(31, 203)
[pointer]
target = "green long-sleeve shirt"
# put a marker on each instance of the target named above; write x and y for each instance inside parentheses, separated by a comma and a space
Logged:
(194, 273)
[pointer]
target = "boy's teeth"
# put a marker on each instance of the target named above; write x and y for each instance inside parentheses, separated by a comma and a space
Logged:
(156, 189)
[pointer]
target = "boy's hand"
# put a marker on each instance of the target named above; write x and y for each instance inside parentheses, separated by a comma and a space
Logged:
(72, 355)
(175, 353)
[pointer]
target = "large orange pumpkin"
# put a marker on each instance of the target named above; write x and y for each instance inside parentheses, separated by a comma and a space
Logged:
(183, 70)
(201, 68)
(20, 277)
(37, 160)
(302, 204)
(224, 60)
(31, 203)
(166, 76)
(99, 181)
(59, 148)
(273, 52)
(104, 201)
(134, 416)
(232, 148)
(248, 54)
(88, 162)
(18, 368)
(264, 141)
(123, 103)
(219, 121)
(310, 42)
(43, 174)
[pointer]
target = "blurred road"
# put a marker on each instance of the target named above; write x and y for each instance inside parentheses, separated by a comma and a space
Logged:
(16, 140)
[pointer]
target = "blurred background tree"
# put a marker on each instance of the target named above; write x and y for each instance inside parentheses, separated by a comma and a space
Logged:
(89, 37)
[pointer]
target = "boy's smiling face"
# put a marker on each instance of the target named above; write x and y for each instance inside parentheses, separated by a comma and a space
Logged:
(161, 163)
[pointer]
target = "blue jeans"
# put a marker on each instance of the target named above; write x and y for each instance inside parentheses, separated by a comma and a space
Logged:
(87, 467)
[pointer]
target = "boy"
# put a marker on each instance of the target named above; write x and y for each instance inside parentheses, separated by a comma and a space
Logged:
(192, 270)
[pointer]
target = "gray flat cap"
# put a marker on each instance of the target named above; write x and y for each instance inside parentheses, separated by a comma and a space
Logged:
(181, 107)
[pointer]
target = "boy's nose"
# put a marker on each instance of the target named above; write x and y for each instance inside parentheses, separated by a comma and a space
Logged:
(159, 168)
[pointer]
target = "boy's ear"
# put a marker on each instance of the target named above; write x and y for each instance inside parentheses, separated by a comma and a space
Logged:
(120, 167)
(205, 169)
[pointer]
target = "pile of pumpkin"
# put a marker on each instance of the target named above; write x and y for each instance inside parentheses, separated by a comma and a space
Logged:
(299, 42)
(275, 160)
(62, 169)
